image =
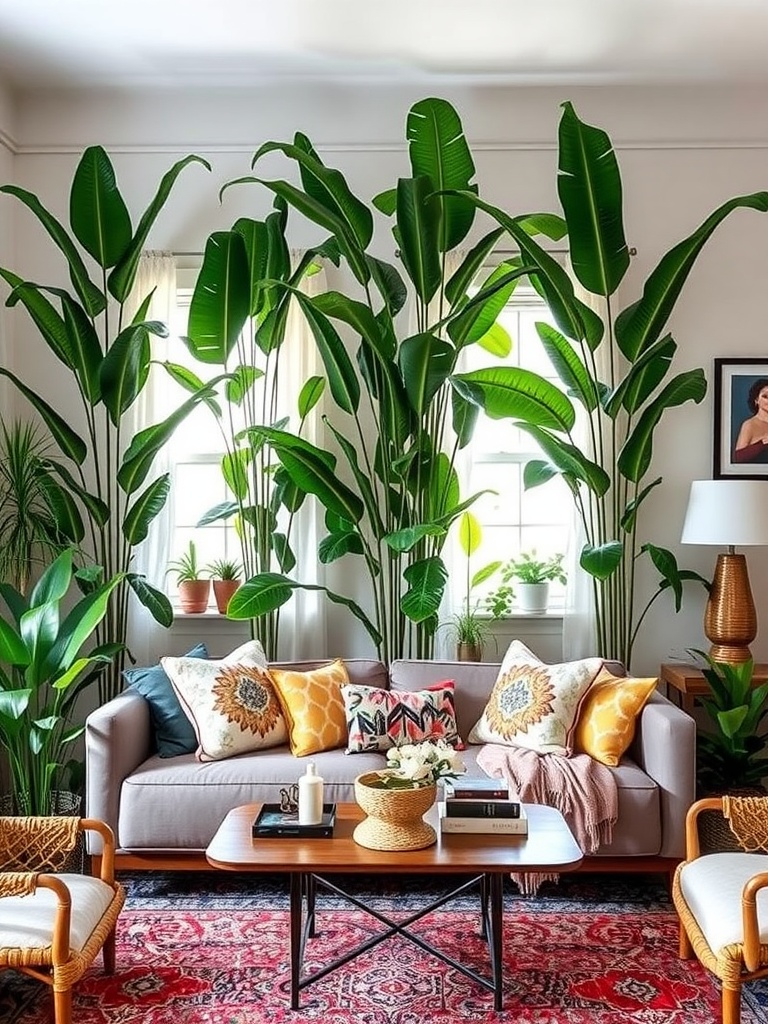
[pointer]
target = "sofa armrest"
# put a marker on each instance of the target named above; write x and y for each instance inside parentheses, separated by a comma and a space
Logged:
(117, 740)
(665, 748)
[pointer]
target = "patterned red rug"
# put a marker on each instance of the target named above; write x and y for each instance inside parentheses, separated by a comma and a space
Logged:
(204, 966)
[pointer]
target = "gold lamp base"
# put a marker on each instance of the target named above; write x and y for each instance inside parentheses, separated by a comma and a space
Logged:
(730, 619)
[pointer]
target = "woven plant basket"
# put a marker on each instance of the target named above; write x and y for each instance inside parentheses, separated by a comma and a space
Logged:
(715, 834)
(395, 816)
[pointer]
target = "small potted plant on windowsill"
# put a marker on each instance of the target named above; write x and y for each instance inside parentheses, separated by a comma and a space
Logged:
(194, 591)
(533, 577)
(469, 628)
(225, 575)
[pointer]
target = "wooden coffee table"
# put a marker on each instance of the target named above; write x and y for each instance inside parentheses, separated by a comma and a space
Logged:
(548, 847)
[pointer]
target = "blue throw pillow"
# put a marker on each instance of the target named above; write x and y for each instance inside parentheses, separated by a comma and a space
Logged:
(172, 730)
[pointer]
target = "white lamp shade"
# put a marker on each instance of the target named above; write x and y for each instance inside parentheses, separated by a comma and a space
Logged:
(727, 512)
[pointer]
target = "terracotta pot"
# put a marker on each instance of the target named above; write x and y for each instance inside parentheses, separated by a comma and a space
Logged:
(469, 652)
(395, 816)
(223, 591)
(194, 594)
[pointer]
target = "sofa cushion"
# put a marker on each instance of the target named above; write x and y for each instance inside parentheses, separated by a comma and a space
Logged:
(534, 705)
(313, 706)
(473, 683)
(606, 724)
(379, 719)
(172, 730)
(231, 703)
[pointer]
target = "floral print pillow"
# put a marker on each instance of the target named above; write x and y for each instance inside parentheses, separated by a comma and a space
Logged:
(535, 705)
(379, 719)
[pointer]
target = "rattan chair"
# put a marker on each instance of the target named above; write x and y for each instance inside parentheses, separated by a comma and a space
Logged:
(723, 914)
(52, 923)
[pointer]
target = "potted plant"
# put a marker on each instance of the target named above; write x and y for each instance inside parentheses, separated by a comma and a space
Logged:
(194, 591)
(532, 591)
(41, 675)
(225, 575)
(469, 626)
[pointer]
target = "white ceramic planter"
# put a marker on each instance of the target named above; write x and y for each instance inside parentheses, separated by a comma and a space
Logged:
(532, 597)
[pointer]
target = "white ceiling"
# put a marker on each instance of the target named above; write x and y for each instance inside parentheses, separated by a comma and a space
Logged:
(46, 43)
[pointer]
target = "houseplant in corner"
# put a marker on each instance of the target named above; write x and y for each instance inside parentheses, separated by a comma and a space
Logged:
(42, 672)
(226, 575)
(396, 798)
(614, 364)
(194, 590)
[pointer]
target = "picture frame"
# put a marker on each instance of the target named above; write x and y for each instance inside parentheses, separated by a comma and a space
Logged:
(738, 449)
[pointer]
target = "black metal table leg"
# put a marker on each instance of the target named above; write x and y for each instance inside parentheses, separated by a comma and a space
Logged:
(297, 898)
(496, 937)
(484, 895)
(311, 890)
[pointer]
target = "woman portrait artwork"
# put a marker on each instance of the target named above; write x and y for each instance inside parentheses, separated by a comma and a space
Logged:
(752, 440)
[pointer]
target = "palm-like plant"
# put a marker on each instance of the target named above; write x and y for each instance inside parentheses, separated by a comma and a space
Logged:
(108, 356)
(608, 475)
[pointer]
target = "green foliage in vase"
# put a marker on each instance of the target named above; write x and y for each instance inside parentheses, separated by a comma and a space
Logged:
(609, 474)
(107, 355)
(42, 672)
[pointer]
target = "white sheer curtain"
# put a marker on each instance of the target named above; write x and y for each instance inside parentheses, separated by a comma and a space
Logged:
(303, 620)
(157, 270)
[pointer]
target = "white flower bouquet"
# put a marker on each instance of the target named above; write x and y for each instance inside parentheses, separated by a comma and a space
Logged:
(421, 764)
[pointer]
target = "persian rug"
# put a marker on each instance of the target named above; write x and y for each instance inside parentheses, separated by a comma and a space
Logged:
(213, 949)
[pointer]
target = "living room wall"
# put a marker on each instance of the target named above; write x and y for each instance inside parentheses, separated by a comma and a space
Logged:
(682, 152)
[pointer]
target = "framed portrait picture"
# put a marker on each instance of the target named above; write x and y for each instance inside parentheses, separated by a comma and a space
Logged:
(741, 419)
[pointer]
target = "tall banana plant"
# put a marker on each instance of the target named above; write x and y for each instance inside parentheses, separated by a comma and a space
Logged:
(237, 321)
(389, 485)
(108, 355)
(609, 473)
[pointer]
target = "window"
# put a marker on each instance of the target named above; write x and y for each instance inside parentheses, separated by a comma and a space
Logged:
(513, 519)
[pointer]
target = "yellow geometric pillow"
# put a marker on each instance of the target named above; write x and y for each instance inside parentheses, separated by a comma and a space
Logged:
(313, 705)
(607, 717)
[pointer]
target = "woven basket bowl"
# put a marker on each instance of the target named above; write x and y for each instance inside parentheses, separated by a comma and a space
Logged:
(395, 816)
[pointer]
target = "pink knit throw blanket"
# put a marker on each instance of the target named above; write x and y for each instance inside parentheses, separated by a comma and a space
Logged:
(582, 789)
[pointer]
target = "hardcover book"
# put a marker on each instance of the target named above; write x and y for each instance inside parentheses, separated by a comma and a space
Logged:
(478, 787)
(484, 826)
(272, 822)
(482, 808)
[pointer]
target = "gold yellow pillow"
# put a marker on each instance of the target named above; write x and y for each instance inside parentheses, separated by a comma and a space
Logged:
(607, 717)
(314, 707)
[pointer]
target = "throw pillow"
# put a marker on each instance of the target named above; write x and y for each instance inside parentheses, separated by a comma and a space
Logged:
(231, 703)
(534, 705)
(607, 718)
(172, 730)
(379, 719)
(313, 706)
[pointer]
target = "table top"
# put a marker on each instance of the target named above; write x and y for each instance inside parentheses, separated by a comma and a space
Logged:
(549, 846)
(689, 678)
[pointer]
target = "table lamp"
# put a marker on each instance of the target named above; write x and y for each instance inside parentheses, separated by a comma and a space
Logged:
(728, 513)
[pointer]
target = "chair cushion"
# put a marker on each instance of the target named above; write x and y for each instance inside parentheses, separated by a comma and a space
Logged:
(712, 887)
(172, 729)
(27, 921)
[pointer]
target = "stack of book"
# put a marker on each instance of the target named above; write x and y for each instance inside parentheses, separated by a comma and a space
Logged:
(481, 805)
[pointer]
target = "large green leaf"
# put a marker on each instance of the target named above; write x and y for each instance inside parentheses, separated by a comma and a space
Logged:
(63, 508)
(54, 582)
(336, 545)
(635, 455)
(122, 277)
(83, 345)
(220, 302)
(462, 278)
(145, 508)
(408, 537)
(603, 560)
(97, 213)
(470, 533)
(154, 600)
(91, 297)
(124, 370)
(642, 378)
(190, 381)
(570, 461)
(641, 324)
(426, 579)
(364, 484)
(426, 362)
(327, 187)
(234, 469)
(342, 379)
(39, 628)
(13, 651)
(66, 438)
(390, 284)
(310, 394)
(510, 391)
(463, 417)
(79, 624)
(568, 365)
(418, 225)
(589, 186)
(97, 509)
(242, 380)
(480, 313)
(438, 150)
(45, 316)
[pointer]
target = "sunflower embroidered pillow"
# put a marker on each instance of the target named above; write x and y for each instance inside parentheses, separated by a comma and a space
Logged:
(378, 719)
(534, 705)
(231, 703)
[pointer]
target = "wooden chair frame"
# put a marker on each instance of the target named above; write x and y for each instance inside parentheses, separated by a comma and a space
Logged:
(737, 962)
(57, 965)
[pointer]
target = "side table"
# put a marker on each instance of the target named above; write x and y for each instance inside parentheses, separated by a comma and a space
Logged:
(689, 682)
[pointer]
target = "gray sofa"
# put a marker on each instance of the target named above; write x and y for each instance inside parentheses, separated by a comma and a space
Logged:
(165, 811)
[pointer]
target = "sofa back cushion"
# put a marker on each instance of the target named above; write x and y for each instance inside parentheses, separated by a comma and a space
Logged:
(360, 670)
(473, 684)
